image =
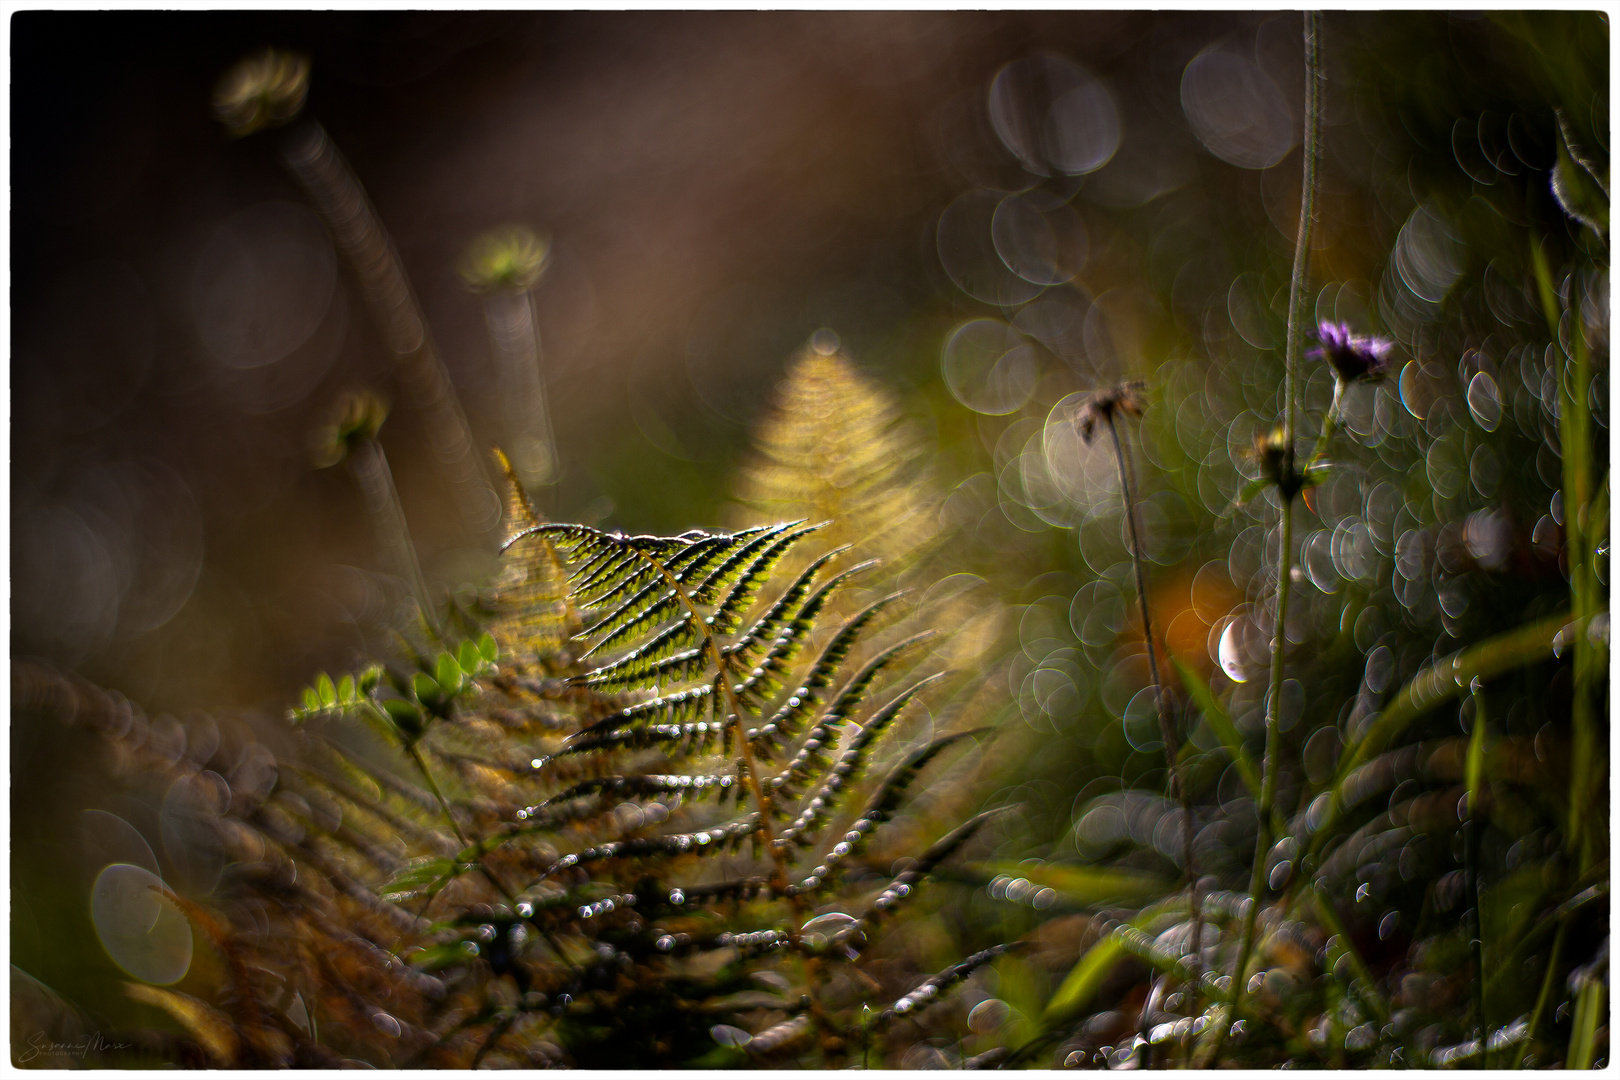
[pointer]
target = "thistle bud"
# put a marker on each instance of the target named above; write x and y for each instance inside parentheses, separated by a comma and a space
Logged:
(355, 416)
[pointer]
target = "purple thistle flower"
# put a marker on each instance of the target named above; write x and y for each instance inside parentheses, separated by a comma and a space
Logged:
(1353, 356)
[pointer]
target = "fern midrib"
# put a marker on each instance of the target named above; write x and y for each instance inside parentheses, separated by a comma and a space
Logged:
(724, 674)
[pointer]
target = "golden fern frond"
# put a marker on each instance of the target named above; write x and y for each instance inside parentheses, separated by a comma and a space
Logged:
(530, 599)
(834, 446)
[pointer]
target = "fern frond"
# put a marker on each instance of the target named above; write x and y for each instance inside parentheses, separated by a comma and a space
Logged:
(702, 734)
(849, 766)
(666, 709)
(530, 598)
(702, 842)
(650, 784)
(738, 562)
(666, 658)
(740, 597)
(878, 810)
(653, 601)
(803, 701)
(763, 683)
(834, 446)
(934, 987)
(905, 883)
(786, 611)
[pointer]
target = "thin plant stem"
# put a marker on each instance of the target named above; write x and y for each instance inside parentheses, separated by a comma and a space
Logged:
(1472, 828)
(1178, 786)
(444, 804)
(510, 318)
(369, 465)
(1297, 303)
(1330, 424)
(1545, 995)
(341, 201)
(1573, 373)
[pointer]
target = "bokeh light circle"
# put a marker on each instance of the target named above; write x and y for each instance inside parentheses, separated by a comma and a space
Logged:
(967, 250)
(989, 367)
(142, 931)
(1042, 247)
(1236, 110)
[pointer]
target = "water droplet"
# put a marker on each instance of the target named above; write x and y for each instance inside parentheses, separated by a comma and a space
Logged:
(830, 923)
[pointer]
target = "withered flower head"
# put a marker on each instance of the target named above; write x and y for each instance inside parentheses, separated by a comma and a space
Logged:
(264, 90)
(1353, 356)
(355, 416)
(511, 257)
(1271, 453)
(1125, 398)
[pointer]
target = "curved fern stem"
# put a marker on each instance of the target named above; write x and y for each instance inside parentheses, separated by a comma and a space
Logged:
(1297, 303)
(433, 786)
(724, 673)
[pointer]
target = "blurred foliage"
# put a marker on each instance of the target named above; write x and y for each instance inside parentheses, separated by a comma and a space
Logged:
(1118, 206)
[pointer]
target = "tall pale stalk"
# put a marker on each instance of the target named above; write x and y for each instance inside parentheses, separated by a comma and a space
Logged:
(369, 467)
(340, 199)
(515, 336)
(1288, 487)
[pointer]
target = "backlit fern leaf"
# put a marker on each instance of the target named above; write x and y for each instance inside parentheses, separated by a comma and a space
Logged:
(835, 446)
(558, 852)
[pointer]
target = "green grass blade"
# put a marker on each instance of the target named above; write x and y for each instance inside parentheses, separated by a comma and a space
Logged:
(1083, 982)
(1474, 771)
(1589, 1016)
(1443, 681)
(1452, 676)
(1220, 723)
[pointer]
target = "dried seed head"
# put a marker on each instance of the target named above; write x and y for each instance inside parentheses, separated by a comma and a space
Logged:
(1123, 398)
(1271, 452)
(262, 91)
(1353, 356)
(355, 416)
(511, 257)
